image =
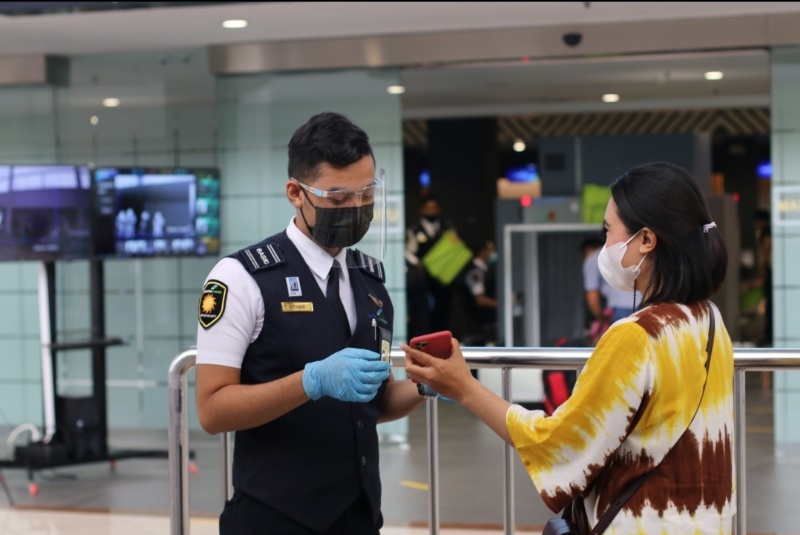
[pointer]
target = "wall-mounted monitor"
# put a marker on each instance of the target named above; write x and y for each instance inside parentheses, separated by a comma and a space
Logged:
(45, 212)
(156, 212)
(523, 173)
(764, 170)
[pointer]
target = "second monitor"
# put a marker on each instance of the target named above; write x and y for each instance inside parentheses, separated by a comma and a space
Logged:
(143, 212)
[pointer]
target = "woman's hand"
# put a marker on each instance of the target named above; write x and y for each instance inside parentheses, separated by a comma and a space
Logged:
(449, 377)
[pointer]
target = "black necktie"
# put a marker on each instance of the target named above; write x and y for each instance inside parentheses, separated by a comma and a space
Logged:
(332, 295)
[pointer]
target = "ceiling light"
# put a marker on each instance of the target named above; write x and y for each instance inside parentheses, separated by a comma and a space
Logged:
(94, 120)
(234, 24)
(519, 145)
(610, 97)
(395, 89)
(713, 75)
(110, 102)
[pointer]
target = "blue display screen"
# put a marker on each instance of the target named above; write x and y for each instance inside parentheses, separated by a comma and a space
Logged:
(523, 173)
(764, 170)
(143, 212)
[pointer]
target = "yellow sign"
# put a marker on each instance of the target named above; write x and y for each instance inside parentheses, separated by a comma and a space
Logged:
(786, 206)
(786, 201)
(447, 258)
(294, 306)
(594, 199)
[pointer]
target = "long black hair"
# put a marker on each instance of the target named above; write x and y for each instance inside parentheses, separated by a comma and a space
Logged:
(689, 263)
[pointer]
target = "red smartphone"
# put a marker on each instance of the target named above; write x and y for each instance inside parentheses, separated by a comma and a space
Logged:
(437, 344)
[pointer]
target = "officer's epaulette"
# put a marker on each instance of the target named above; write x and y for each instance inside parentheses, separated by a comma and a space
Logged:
(369, 265)
(261, 256)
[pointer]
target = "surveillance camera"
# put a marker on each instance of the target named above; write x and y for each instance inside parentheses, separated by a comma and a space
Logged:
(572, 39)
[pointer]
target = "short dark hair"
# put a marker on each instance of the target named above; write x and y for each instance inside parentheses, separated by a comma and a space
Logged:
(430, 197)
(592, 242)
(689, 264)
(327, 137)
(762, 215)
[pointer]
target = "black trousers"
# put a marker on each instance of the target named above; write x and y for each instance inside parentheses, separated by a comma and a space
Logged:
(244, 515)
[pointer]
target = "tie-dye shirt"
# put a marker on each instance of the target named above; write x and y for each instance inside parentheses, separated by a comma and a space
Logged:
(628, 412)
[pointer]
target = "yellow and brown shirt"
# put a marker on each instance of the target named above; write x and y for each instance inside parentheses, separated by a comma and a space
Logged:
(628, 412)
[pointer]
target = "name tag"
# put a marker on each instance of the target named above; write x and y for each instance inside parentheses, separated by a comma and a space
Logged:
(386, 344)
(294, 306)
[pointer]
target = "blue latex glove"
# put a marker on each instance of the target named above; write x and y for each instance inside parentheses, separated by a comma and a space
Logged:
(351, 374)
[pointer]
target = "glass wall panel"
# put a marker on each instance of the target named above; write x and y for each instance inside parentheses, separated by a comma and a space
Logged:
(785, 143)
(165, 115)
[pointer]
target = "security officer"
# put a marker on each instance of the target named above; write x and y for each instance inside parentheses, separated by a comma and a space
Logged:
(292, 364)
(420, 238)
(479, 287)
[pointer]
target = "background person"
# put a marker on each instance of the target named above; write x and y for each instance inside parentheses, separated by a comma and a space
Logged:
(479, 287)
(605, 303)
(763, 228)
(438, 298)
(762, 223)
(291, 364)
(634, 404)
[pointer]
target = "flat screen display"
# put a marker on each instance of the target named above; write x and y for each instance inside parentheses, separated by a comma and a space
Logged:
(764, 170)
(45, 212)
(523, 173)
(149, 212)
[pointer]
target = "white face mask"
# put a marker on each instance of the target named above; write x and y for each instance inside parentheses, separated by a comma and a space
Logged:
(610, 263)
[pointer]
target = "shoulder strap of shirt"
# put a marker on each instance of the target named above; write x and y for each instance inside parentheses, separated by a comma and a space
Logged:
(369, 265)
(263, 255)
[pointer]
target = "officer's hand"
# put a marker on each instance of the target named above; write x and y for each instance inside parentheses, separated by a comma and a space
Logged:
(348, 375)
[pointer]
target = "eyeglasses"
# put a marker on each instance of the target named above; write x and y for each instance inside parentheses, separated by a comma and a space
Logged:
(365, 195)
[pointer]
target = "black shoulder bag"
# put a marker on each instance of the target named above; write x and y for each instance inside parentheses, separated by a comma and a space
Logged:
(574, 521)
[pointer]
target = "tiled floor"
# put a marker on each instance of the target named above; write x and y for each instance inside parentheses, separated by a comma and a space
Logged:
(134, 497)
(35, 522)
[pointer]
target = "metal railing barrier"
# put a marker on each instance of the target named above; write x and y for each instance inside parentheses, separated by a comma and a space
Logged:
(504, 358)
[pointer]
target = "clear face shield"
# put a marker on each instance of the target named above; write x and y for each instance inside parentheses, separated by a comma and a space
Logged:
(351, 218)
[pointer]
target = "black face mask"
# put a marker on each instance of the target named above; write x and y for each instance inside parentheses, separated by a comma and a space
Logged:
(431, 218)
(340, 227)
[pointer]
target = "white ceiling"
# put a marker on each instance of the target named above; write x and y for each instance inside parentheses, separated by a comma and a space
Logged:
(193, 26)
(671, 81)
(513, 87)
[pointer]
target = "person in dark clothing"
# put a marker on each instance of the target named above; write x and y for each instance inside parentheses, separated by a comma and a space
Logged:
(290, 341)
(762, 223)
(438, 297)
(479, 289)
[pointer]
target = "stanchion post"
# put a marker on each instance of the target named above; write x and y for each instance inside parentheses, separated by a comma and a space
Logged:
(740, 450)
(508, 465)
(432, 408)
(227, 463)
(178, 437)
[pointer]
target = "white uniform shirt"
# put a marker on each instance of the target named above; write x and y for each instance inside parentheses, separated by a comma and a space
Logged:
(476, 277)
(593, 280)
(225, 342)
(412, 240)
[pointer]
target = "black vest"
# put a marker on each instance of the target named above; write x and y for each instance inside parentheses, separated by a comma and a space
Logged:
(312, 463)
(427, 243)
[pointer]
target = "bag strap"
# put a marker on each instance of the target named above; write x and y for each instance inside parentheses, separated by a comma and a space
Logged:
(633, 485)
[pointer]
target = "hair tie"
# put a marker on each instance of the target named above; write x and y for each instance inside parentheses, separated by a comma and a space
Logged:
(708, 227)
